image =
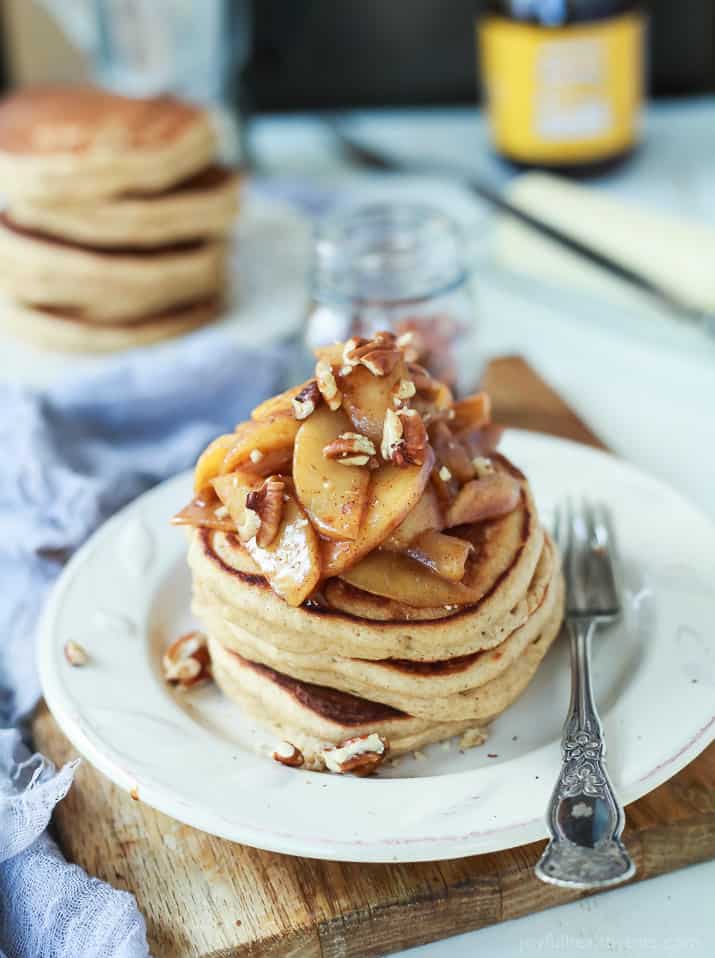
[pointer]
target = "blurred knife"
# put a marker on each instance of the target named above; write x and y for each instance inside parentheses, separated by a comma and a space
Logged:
(367, 156)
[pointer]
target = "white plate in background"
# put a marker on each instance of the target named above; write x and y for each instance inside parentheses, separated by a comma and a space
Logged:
(268, 268)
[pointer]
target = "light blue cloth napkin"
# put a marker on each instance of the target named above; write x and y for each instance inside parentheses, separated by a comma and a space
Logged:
(71, 456)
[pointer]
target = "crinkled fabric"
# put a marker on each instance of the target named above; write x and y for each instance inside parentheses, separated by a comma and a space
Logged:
(72, 455)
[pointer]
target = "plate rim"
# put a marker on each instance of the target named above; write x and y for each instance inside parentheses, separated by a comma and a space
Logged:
(405, 849)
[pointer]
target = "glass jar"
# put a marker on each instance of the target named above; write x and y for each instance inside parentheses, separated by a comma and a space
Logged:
(400, 267)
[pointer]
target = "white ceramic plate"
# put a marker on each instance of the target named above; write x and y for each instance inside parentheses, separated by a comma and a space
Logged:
(126, 594)
(267, 298)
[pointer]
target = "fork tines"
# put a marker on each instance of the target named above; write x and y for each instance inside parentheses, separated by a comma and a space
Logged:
(585, 539)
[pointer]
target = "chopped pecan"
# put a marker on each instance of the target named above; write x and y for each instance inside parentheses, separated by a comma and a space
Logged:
(266, 504)
(350, 449)
(381, 362)
(186, 662)
(391, 435)
(380, 354)
(75, 653)
(288, 754)
(483, 466)
(351, 354)
(327, 385)
(360, 755)
(404, 437)
(403, 391)
(307, 399)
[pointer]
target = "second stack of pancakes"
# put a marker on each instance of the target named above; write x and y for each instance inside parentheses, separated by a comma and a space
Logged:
(114, 232)
(395, 643)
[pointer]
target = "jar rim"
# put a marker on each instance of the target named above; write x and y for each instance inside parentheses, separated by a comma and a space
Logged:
(387, 253)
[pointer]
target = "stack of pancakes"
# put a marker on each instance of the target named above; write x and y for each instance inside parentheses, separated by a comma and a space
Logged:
(117, 211)
(387, 642)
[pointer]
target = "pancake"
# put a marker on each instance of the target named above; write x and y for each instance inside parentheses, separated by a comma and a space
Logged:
(312, 716)
(52, 329)
(397, 682)
(366, 566)
(203, 206)
(506, 554)
(105, 285)
(84, 143)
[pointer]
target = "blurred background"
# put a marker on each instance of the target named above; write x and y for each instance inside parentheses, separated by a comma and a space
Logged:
(318, 54)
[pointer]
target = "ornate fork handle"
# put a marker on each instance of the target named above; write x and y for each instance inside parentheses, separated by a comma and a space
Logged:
(584, 816)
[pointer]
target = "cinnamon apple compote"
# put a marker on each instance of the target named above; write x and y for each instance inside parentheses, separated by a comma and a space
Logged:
(368, 464)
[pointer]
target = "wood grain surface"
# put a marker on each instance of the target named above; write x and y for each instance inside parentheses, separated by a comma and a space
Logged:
(204, 897)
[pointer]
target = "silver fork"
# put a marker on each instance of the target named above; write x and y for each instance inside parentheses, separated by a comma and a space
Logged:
(584, 817)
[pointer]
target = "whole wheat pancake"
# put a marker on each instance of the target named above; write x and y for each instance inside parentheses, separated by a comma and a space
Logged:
(506, 554)
(106, 285)
(440, 690)
(398, 682)
(52, 329)
(365, 564)
(203, 206)
(312, 716)
(59, 143)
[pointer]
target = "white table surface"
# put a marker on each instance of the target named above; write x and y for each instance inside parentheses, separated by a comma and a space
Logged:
(645, 384)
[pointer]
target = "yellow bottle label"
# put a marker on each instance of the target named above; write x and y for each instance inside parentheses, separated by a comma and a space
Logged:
(563, 95)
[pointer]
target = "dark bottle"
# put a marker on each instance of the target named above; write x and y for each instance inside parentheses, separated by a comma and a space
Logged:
(563, 80)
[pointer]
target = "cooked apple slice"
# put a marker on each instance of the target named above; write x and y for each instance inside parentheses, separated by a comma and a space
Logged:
(205, 511)
(474, 411)
(366, 398)
(480, 440)
(263, 447)
(281, 403)
(291, 562)
(426, 516)
(446, 556)
(399, 577)
(482, 499)
(392, 493)
(450, 452)
(211, 459)
(331, 493)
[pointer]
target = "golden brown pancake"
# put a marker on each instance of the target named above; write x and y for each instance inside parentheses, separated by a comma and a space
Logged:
(440, 690)
(106, 285)
(54, 329)
(81, 142)
(310, 716)
(505, 560)
(202, 206)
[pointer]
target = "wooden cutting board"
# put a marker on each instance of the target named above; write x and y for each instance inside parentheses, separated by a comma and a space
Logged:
(208, 898)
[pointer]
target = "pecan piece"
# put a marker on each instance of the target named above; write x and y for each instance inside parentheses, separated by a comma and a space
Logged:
(404, 438)
(266, 506)
(186, 661)
(360, 755)
(305, 402)
(288, 754)
(483, 466)
(325, 378)
(75, 654)
(350, 449)
(380, 354)
(403, 391)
